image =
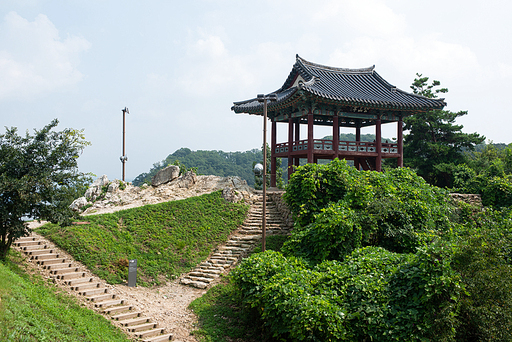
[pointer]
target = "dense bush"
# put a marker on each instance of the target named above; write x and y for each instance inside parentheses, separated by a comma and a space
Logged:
(373, 295)
(338, 209)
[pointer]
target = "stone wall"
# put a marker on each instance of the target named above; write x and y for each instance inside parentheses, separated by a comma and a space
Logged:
(473, 199)
(282, 207)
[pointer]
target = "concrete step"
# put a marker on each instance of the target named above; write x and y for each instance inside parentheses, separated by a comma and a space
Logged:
(40, 251)
(89, 285)
(142, 327)
(110, 303)
(51, 261)
(46, 256)
(92, 292)
(29, 243)
(161, 338)
(57, 266)
(101, 297)
(65, 270)
(150, 333)
(26, 238)
(134, 321)
(117, 309)
(126, 315)
(72, 275)
(34, 247)
(77, 281)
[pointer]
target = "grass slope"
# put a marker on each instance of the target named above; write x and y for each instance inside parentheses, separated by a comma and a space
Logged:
(32, 310)
(167, 239)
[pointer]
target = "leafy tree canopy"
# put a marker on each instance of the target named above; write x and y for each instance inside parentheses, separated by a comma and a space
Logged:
(434, 138)
(39, 178)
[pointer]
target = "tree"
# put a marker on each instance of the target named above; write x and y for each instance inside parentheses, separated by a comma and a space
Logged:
(258, 179)
(39, 179)
(434, 141)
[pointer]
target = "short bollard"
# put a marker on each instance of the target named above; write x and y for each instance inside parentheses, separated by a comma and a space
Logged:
(132, 272)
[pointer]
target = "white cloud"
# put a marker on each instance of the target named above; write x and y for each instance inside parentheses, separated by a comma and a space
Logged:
(34, 59)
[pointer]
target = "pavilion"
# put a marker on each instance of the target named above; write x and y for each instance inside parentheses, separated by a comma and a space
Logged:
(315, 94)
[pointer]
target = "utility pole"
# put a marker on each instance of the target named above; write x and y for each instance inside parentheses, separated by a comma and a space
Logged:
(124, 158)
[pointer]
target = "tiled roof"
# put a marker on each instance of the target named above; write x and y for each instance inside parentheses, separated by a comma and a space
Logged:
(354, 87)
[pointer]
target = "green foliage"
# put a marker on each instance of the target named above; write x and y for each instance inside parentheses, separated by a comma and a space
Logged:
(33, 310)
(258, 179)
(434, 138)
(498, 192)
(167, 239)
(373, 295)
(218, 163)
(338, 209)
(39, 178)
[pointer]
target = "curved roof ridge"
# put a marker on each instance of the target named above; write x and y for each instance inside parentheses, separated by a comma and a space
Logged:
(306, 63)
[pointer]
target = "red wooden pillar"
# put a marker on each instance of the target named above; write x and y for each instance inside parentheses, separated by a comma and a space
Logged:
(357, 163)
(378, 141)
(297, 139)
(273, 169)
(310, 137)
(290, 146)
(335, 135)
(400, 137)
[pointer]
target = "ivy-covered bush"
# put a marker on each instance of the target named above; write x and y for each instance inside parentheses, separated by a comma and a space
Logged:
(373, 295)
(342, 209)
(498, 192)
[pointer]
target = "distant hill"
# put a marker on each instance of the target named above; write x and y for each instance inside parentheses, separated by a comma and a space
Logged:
(220, 163)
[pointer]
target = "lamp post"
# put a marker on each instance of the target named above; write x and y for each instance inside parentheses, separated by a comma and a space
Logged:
(124, 158)
(263, 99)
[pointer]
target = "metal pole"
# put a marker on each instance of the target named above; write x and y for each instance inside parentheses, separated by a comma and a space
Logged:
(124, 133)
(264, 218)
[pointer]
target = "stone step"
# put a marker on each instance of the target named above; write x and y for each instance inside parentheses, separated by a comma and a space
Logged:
(92, 292)
(196, 284)
(134, 321)
(116, 309)
(85, 286)
(65, 270)
(51, 261)
(202, 275)
(84, 280)
(161, 338)
(101, 297)
(149, 333)
(72, 275)
(127, 315)
(26, 238)
(110, 303)
(206, 270)
(201, 279)
(142, 327)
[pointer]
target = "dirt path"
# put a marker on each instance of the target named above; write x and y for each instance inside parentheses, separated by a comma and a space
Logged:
(167, 304)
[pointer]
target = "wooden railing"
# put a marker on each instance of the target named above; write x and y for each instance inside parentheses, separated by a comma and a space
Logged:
(343, 146)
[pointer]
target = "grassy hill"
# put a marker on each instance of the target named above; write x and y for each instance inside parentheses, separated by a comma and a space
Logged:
(32, 310)
(167, 239)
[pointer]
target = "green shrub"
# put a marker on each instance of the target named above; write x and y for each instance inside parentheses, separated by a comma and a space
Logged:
(498, 192)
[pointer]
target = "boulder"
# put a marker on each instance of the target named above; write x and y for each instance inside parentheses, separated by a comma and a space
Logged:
(186, 180)
(230, 195)
(165, 175)
(100, 181)
(78, 204)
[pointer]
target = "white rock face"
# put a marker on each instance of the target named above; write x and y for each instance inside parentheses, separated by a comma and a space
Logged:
(187, 185)
(78, 204)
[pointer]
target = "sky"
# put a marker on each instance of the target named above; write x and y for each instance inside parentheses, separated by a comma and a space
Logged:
(179, 66)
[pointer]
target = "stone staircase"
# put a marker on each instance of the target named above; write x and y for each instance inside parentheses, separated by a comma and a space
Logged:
(238, 245)
(63, 270)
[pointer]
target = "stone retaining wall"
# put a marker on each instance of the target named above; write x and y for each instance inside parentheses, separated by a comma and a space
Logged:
(282, 207)
(473, 199)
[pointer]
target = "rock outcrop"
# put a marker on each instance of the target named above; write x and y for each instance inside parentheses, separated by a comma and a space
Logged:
(106, 197)
(165, 175)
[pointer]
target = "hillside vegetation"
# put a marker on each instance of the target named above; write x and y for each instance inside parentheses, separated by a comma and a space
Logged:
(382, 257)
(167, 239)
(32, 310)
